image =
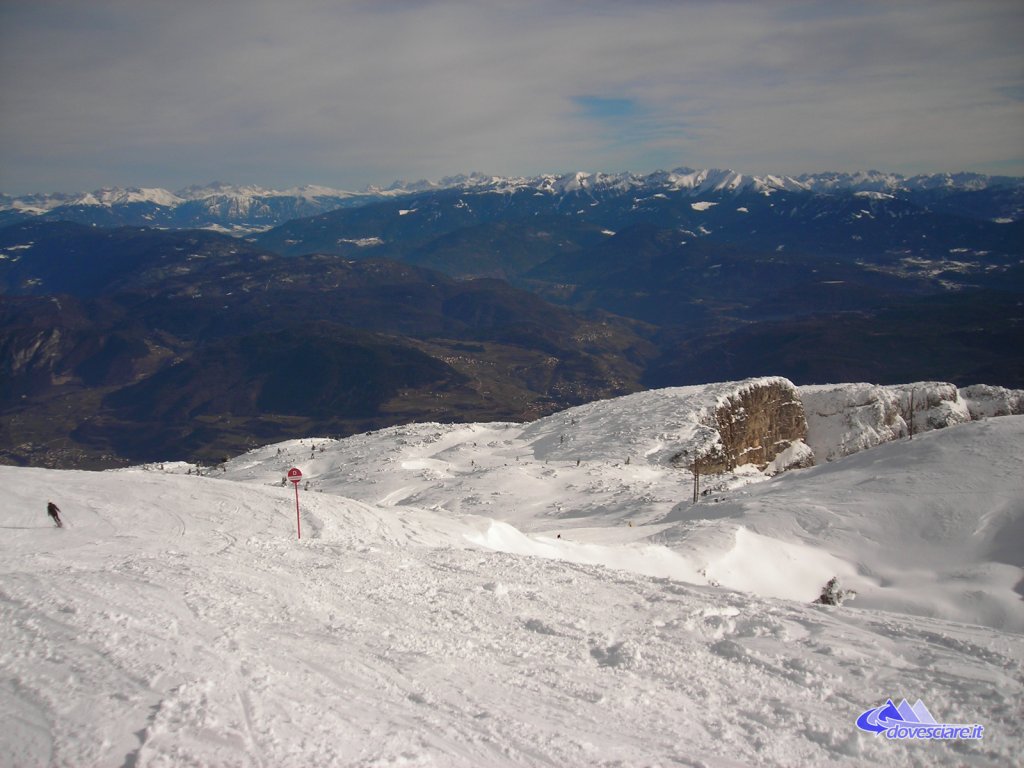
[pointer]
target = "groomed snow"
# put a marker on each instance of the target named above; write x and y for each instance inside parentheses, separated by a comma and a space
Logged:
(484, 601)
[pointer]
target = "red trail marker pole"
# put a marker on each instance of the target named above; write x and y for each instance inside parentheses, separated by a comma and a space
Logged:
(295, 475)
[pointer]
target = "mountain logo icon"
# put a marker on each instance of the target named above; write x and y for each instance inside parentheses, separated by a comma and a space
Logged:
(903, 721)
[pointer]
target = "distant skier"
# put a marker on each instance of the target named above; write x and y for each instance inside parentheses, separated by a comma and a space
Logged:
(54, 511)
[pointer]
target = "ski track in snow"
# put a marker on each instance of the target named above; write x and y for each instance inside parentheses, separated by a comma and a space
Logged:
(177, 621)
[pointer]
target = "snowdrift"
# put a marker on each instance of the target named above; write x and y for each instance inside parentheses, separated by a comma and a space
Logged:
(933, 527)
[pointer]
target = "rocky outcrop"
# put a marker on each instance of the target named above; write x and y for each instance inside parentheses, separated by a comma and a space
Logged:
(773, 425)
(984, 401)
(758, 423)
(847, 418)
(715, 427)
(765, 423)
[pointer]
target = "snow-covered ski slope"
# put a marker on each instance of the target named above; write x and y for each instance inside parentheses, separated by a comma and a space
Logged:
(469, 596)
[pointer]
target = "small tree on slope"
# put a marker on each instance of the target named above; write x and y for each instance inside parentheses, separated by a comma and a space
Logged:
(833, 595)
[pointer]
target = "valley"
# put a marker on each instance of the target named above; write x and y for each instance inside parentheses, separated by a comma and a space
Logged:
(485, 298)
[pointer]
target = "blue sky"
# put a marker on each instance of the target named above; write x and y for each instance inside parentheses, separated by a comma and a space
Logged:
(348, 93)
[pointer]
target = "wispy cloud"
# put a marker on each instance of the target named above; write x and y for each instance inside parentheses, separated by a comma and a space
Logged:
(347, 93)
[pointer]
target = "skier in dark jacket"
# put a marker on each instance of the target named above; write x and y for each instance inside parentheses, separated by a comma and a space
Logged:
(54, 511)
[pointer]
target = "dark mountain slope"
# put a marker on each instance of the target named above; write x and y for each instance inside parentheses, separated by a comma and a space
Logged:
(320, 379)
(964, 338)
(48, 258)
(193, 344)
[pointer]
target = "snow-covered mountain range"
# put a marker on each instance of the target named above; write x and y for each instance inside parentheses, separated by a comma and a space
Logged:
(246, 196)
(243, 209)
(529, 594)
(701, 181)
(225, 207)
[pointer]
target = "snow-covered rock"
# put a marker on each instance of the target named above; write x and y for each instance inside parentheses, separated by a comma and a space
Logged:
(984, 401)
(846, 418)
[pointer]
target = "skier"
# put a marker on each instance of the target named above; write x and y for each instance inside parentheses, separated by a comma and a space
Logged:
(54, 511)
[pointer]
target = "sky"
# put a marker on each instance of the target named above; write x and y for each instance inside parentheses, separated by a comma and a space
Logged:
(349, 93)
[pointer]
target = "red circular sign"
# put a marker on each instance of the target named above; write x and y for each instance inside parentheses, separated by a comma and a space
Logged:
(294, 475)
